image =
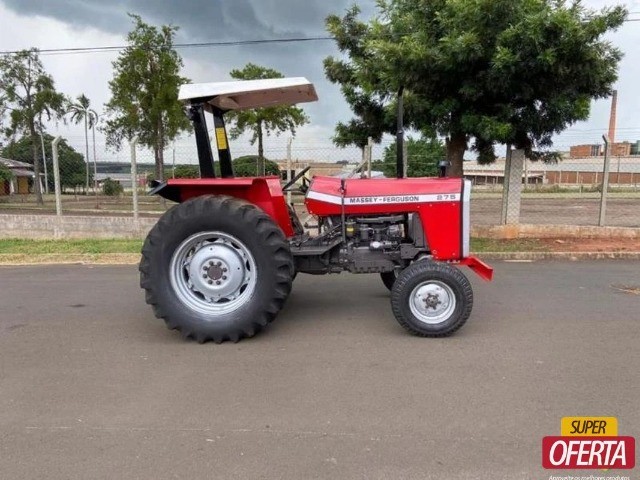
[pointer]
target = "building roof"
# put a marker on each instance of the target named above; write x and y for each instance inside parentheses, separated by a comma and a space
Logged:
(14, 163)
(21, 172)
(243, 94)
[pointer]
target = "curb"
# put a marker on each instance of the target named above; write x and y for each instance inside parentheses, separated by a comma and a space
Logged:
(19, 259)
(532, 256)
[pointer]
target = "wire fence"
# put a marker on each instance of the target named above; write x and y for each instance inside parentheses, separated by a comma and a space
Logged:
(568, 192)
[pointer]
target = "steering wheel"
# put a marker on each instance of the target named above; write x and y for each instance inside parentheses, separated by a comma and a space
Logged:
(290, 183)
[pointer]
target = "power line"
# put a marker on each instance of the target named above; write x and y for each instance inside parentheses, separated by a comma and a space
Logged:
(112, 48)
(231, 43)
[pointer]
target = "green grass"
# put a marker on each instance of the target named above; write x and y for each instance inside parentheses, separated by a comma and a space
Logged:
(36, 247)
(479, 245)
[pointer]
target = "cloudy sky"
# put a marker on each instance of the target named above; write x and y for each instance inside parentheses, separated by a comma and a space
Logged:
(88, 23)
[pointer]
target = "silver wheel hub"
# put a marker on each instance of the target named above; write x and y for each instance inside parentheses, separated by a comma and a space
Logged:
(432, 302)
(213, 272)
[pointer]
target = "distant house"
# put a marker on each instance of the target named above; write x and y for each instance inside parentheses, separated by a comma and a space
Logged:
(22, 181)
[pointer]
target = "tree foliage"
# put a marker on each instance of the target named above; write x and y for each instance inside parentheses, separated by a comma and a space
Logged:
(483, 72)
(186, 171)
(423, 155)
(247, 166)
(372, 117)
(5, 175)
(263, 121)
(112, 188)
(72, 164)
(28, 92)
(81, 111)
(144, 91)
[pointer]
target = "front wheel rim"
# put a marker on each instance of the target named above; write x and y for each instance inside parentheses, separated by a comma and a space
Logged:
(213, 273)
(432, 302)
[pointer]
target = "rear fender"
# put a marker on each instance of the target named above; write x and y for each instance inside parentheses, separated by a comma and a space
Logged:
(263, 192)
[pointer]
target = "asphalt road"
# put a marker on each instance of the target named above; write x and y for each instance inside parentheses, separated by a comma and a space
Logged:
(92, 386)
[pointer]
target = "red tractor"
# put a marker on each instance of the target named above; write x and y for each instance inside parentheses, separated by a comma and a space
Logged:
(219, 266)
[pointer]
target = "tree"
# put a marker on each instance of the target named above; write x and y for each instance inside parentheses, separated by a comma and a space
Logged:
(80, 111)
(263, 121)
(71, 163)
(6, 175)
(29, 93)
(144, 92)
(486, 72)
(372, 117)
(186, 171)
(246, 166)
(423, 155)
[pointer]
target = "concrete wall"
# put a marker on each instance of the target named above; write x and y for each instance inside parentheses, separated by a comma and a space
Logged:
(52, 227)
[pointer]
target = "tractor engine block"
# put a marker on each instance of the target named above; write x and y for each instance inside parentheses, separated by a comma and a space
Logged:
(377, 233)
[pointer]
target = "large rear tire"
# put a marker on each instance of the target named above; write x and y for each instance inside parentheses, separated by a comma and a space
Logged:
(216, 268)
(431, 299)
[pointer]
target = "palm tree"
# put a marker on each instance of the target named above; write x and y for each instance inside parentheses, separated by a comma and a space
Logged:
(80, 111)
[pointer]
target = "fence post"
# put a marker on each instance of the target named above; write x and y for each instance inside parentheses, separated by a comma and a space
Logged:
(514, 190)
(605, 181)
(505, 186)
(369, 152)
(289, 168)
(134, 177)
(56, 174)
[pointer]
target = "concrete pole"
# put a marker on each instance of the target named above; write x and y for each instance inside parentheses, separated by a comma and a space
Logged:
(95, 160)
(512, 194)
(505, 186)
(289, 168)
(369, 152)
(56, 175)
(134, 177)
(605, 181)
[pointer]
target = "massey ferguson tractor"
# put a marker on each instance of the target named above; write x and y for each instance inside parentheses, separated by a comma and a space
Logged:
(219, 266)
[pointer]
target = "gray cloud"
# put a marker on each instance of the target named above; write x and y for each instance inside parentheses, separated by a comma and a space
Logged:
(209, 19)
(223, 20)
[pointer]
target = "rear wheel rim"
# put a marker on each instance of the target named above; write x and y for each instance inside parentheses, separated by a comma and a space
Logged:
(432, 302)
(213, 273)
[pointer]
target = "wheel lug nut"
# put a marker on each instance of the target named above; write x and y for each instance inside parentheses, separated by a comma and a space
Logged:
(204, 276)
(210, 282)
(224, 277)
(210, 262)
(218, 282)
(224, 269)
(219, 263)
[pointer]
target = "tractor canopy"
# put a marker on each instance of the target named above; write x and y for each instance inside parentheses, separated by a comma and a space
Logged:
(220, 97)
(243, 94)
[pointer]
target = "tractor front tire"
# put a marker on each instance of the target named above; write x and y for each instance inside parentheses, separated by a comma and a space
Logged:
(431, 299)
(216, 268)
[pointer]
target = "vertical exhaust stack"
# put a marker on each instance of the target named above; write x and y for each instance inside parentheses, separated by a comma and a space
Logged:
(400, 137)
(612, 117)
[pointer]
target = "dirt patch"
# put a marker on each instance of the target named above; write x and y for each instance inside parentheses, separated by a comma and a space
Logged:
(590, 244)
